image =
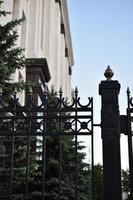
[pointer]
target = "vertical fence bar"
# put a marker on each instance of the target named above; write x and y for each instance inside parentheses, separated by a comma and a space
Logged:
(44, 166)
(11, 169)
(27, 168)
(92, 156)
(60, 144)
(130, 147)
(44, 145)
(28, 146)
(60, 165)
(12, 148)
(76, 140)
(76, 169)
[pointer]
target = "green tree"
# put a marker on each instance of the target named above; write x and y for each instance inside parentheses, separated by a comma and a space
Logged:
(11, 56)
(11, 59)
(98, 182)
(67, 171)
(125, 183)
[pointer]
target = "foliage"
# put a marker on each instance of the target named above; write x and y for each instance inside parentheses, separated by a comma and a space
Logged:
(19, 153)
(125, 182)
(11, 56)
(11, 59)
(98, 182)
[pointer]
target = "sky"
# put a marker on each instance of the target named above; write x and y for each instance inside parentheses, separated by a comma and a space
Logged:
(102, 34)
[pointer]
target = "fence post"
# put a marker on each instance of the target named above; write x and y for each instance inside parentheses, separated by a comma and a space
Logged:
(110, 124)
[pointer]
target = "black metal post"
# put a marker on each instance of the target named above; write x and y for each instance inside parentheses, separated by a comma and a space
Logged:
(130, 145)
(110, 125)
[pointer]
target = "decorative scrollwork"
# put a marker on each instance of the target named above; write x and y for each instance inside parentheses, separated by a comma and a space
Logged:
(85, 106)
(66, 105)
(51, 117)
(131, 101)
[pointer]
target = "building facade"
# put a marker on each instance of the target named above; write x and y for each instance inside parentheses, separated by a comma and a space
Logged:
(45, 36)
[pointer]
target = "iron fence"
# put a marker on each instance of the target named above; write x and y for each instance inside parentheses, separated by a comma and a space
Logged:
(24, 131)
(26, 142)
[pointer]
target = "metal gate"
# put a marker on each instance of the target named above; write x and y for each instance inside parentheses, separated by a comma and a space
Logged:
(24, 130)
(28, 129)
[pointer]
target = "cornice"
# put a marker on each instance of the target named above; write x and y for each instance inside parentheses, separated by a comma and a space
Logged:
(38, 66)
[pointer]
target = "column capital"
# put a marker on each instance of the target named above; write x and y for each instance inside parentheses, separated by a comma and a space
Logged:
(108, 86)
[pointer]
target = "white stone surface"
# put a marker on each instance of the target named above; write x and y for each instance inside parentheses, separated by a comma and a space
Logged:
(40, 35)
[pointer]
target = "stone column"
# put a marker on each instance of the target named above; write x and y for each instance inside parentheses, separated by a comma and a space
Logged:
(110, 124)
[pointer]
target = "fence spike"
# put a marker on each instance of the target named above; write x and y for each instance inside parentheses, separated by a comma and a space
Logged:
(76, 89)
(128, 91)
(60, 91)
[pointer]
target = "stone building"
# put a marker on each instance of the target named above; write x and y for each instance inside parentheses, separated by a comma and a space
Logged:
(45, 36)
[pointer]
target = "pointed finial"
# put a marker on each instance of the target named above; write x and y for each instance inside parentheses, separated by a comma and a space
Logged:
(76, 90)
(60, 91)
(128, 91)
(52, 89)
(108, 73)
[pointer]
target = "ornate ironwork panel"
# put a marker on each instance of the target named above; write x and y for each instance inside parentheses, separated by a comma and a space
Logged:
(51, 117)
